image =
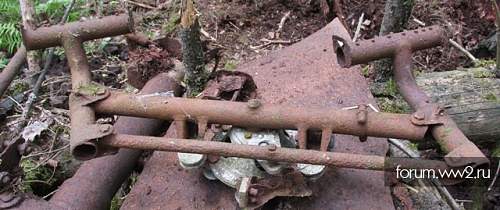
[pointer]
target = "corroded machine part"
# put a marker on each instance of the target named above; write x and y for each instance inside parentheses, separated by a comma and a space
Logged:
(71, 36)
(460, 151)
(278, 154)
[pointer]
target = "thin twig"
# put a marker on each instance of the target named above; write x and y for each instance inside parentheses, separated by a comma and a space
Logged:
(269, 42)
(206, 34)
(140, 4)
(50, 54)
(494, 178)
(358, 28)
(282, 22)
(462, 49)
(419, 22)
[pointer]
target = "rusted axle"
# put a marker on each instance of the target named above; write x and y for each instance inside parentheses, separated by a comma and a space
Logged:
(278, 154)
(460, 151)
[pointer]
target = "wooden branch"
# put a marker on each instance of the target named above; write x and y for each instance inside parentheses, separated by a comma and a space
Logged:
(27, 14)
(192, 50)
(463, 50)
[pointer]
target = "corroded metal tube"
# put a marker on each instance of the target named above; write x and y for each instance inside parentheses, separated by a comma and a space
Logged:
(71, 36)
(460, 151)
(51, 36)
(278, 154)
(264, 116)
(349, 54)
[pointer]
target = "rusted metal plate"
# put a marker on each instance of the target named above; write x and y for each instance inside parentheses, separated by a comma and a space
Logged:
(306, 75)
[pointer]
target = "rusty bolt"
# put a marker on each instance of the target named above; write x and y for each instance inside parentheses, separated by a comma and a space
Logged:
(272, 147)
(419, 115)
(253, 191)
(362, 138)
(104, 128)
(253, 103)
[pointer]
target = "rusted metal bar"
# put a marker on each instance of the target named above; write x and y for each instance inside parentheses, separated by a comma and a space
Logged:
(278, 154)
(460, 151)
(51, 36)
(349, 54)
(84, 130)
(264, 116)
(11, 70)
(81, 116)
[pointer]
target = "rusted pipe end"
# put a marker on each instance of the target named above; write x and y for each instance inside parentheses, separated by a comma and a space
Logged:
(85, 151)
(51, 36)
(343, 51)
(467, 155)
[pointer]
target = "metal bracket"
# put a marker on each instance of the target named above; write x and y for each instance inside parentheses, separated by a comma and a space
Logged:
(94, 131)
(429, 115)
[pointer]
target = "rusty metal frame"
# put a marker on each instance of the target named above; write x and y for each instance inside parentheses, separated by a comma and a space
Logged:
(71, 36)
(400, 46)
(90, 140)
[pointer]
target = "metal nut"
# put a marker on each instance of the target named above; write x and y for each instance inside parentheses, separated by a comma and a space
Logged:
(272, 147)
(104, 128)
(253, 104)
(253, 191)
(419, 115)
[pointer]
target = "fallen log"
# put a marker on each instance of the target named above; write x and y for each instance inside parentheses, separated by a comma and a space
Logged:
(470, 96)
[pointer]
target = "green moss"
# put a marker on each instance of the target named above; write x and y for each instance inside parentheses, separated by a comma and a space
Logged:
(396, 105)
(496, 152)
(366, 71)
(391, 88)
(172, 23)
(18, 87)
(413, 146)
(482, 73)
(91, 89)
(230, 65)
(484, 63)
(37, 178)
(491, 97)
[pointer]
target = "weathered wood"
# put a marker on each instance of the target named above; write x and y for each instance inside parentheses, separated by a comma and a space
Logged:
(192, 50)
(396, 15)
(28, 18)
(471, 97)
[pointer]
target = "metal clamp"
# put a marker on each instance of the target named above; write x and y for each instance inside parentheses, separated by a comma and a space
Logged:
(429, 115)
